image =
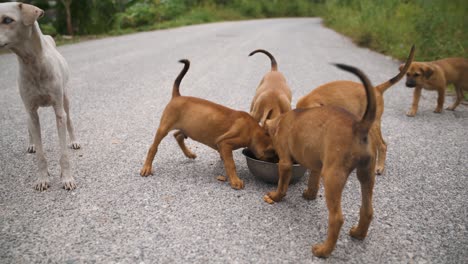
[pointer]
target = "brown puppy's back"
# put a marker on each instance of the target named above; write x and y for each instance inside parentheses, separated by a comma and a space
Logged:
(343, 94)
(455, 69)
(216, 119)
(328, 144)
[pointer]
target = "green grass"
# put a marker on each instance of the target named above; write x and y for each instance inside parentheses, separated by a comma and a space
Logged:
(438, 28)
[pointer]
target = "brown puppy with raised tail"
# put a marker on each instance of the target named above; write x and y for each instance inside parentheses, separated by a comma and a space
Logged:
(331, 142)
(273, 96)
(351, 96)
(214, 125)
(435, 76)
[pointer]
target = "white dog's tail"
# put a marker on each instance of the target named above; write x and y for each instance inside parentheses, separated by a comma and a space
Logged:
(274, 65)
(368, 119)
(175, 89)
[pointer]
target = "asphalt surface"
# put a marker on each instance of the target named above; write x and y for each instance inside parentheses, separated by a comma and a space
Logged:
(182, 214)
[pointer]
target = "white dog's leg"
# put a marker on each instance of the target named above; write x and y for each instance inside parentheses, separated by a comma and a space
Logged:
(71, 131)
(61, 117)
(35, 131)
(31, 147)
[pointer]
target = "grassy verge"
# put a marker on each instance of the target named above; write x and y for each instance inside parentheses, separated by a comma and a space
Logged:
(439, 28)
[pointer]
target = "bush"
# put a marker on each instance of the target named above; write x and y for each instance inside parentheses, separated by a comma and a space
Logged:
(88, 16)
(48, 29)
(437, 27)
(139, 14)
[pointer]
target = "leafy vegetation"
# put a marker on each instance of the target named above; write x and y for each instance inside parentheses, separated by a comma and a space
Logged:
(439, 28)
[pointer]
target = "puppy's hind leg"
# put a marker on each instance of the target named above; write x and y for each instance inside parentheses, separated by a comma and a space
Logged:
(42, 182)
(366, 177)
(313, 185)
(71, 130)
(180, 137)
(61, 119)
(334, 181)
(459, 89)
(381, 146)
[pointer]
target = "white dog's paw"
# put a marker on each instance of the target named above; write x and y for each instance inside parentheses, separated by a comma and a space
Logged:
(75, 145)
(69, 184)
(41, 185)
(31, 148)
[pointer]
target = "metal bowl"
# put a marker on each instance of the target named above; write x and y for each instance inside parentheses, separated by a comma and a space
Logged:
(268, 171)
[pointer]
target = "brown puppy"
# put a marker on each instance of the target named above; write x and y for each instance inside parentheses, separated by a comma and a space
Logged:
(214, 125)
(351, 96)
(435, 76)
(273, 96)
(331, 143)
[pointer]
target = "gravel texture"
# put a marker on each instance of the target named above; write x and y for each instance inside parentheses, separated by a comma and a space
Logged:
(182, 214)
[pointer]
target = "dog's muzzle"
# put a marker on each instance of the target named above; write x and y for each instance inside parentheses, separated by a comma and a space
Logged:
(410, 84)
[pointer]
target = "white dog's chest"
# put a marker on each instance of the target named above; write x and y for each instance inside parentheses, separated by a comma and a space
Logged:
(40, 87)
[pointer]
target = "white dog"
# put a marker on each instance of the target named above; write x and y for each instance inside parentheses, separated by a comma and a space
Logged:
(43, 76)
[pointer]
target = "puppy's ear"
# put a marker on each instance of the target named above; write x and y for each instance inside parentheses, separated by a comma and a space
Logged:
(428, 71)
(30, 13)
(401, 67)
(265, 117)
(266, 126)
(271, 126)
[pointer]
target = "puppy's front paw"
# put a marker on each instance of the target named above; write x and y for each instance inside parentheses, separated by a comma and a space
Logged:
(237, 184)
(450, 108)
(321, 250)
(41, 185)
(411, 113)
(309, 195)
(146, 171)
(191, 155)
(221, 178)
(356, 233)
(69, 184)
(31, 148)
(438, 110)
(272, 197)
(75, 145)
(379, 169)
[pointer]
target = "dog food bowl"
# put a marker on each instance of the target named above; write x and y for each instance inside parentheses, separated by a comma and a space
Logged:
(268, 171)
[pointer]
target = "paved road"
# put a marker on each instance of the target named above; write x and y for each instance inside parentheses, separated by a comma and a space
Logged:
(183, 214)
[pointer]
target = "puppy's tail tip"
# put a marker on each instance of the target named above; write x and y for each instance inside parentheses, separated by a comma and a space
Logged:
(184, 61)
(175, 89)
(274, 64)
(345, 67)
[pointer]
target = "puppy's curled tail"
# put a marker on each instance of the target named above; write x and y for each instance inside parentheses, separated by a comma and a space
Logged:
(384, 86)
(365, 124)
(175, 89)
(274, 65)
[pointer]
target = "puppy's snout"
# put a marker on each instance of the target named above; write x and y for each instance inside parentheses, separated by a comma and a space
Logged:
(410, 83)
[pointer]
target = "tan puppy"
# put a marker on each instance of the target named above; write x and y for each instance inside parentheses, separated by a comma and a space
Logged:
(273, 96)
(331, 143)
(214, 125)
(435, 76)
(351, 96)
